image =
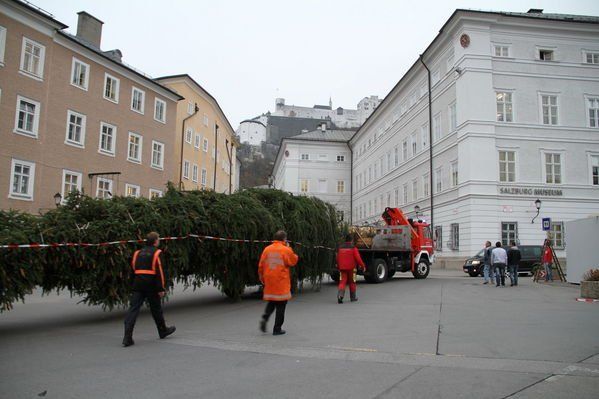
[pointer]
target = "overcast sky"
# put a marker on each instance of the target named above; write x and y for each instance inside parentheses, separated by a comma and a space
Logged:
(248, 52)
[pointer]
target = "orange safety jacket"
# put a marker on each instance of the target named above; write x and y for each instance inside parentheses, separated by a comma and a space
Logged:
(273, 271)
(146, 261)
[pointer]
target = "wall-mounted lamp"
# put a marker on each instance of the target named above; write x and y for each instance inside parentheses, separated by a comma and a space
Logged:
(538, 206)
(57, 199)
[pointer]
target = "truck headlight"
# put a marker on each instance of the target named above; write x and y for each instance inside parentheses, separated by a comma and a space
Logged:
(475, 262)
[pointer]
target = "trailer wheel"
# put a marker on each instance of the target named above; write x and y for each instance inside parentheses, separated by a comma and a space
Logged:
(422, 270)
(378, 271)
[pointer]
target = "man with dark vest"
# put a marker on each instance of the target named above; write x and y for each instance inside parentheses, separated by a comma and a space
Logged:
(348, 258)
(148, 283)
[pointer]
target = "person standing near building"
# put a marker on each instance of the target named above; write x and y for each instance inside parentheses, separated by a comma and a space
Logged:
(513, 261)
(348, 258)
(499, 261)
(548, 260)
(273, 270)
(148, 284)
(488, 273)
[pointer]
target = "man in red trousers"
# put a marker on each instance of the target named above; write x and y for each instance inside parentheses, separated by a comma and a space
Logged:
(348, 258)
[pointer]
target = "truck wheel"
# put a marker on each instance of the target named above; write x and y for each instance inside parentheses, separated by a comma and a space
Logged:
(422, 269)
(377, 272)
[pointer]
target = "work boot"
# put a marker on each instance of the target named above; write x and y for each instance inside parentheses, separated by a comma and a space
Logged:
(165, 331)
(263, 325)
(128, 338)
(340, 296)
(352, 297)
(278, 332)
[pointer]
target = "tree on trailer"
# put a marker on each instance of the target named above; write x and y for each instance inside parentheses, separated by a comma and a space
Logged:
(402, 245)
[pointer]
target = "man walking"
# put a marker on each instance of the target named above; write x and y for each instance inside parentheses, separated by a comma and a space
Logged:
(513, 261)
(273, 271)
(348, 258)
(488, 273)
(499, 261)
(548, 260)
(148, 283)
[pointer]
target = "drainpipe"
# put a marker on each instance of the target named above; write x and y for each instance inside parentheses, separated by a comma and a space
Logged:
(430, 137)
(196, 109)
(229, 154)
(351, 184)
(215, 153)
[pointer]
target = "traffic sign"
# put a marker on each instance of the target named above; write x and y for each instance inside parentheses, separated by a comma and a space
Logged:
(546, 224)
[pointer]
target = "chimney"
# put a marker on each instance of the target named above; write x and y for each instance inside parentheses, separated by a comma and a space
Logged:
(535, 11)
(115, 54)
(89, 28)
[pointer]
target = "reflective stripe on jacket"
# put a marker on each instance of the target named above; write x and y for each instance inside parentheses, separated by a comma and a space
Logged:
(273, 270)
(146, 261)
(348, 257)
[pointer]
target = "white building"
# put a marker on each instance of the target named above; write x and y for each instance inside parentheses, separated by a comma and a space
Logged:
(341, 117)
(253, 131)
(318, 164)
(515, 117)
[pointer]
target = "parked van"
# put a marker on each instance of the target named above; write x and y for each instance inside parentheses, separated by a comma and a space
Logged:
(531, 256)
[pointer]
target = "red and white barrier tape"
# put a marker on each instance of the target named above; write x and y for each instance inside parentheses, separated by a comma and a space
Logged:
(123, 242)
(588, 300)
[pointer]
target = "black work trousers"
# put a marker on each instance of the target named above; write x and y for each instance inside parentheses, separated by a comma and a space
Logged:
(279, 316)
(137, 300)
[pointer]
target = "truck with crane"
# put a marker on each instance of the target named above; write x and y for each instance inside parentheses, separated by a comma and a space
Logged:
(401, 245)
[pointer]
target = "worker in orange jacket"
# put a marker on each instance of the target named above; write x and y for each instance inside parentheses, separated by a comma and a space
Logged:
(273, 271)
(348, 257)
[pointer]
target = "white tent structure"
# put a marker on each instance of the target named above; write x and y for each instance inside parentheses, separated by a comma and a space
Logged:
(583, 247)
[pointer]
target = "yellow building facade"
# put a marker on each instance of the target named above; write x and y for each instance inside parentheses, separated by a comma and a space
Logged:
(205, 144)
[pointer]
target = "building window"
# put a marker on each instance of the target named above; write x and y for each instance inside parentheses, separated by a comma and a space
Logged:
(155, 193)
(509, 233)
(21, 180)
(404, 150)
(111, 88)
(157, 155)
(159, 110)
(186, 169)
(439, 238)
(437, 127)
(396, 156)
(593, 106)
(79, 74)
(32, 58)
(27, 116)
(194, 173)
(205, 145)
(438, 180)
(557, 235)
(137, 100)
(413, 144)
(454, 239)
(107, 138)
(340, 186)
(549, 109)
(131, 190)
(507, 166)
(206, 120)
(71, 182)
(340, 215)
(501, 50)
(435, 77)
(592, 57)
(595, 170)
(189, 135)
(305, 157)
(340, 158)
(454, 174)
(504, 107)
(323, 157)
(453, 118)
(405, 194)
(134, 150)
(2, 44)
(389, 164)
(414, 190)
(203, 178)
(104, 188)
(546, 55)
(425, 182)
(190, 108)
(322, 186)
(75, 129)
(197, 141)
(304, 186)
(553, 168)
(424, 135)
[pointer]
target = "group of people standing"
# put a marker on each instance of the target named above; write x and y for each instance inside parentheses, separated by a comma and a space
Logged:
(497, 259)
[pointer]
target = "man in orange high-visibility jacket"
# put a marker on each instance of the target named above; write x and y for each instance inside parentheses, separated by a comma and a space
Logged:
(273, 271)
(348, 258)
(148, 283)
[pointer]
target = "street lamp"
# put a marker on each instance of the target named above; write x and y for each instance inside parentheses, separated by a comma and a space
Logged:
(417, 210)
(57, 199)
(538, 206)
